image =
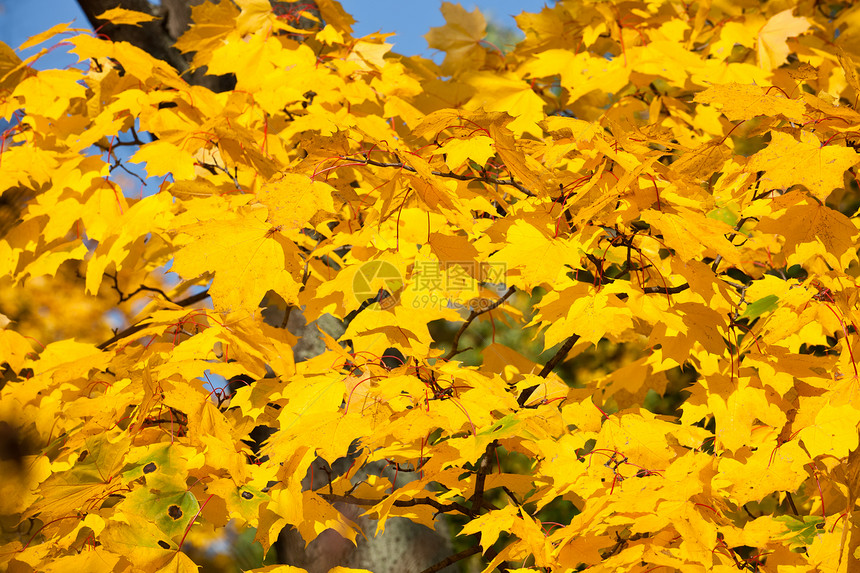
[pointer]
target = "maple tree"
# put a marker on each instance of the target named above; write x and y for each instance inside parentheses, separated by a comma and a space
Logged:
(669, 186)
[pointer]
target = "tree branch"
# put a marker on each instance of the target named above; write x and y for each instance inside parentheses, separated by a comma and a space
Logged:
(549, 367)
(472, 316)
(559, 356)
(142, 324)
(453, 559)
(448, 174)
(664, 290)
(484, 467)
(124, 297)
(442, 507)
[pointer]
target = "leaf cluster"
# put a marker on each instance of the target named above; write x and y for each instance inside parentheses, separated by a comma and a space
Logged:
(668, 186)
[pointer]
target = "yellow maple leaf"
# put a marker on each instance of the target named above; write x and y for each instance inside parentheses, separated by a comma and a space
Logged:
(508, 93)
(834, 432)
(456, 150)
(127, 17)
(807, 162)
(732, 33)
(135, 62)
(581, 73)
(249, 256)
(770, 467)
(163, 158)
(49, 92)
(491, 525)
(14, 348)
(211, 23)
(522, 167)
(93, 477)
(142, 542)
(402, 328)
(369, 55)
(804, 224)
(576, 310)
(459, 38)
(773, 49)
(296, 201)
(256, 15)
(691, 234)
(46, 35)
(664, 58)
(538, 258)
(12, 69)
(740, 102)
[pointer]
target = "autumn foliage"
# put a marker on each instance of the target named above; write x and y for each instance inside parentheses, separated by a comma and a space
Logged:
(662, 191)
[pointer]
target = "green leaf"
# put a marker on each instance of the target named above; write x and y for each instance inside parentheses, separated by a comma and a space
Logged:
(801, 531)
(761, 306)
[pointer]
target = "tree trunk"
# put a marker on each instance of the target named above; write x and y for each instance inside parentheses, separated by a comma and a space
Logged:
(152, 37)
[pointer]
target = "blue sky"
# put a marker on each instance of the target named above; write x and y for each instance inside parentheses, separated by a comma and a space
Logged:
(409, 19)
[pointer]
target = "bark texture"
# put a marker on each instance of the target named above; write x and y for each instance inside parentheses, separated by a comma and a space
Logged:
(153, 37)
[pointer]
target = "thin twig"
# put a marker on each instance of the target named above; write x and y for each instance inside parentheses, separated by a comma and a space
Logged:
(549, 367)
(441, 507)
(143, 323)
(511, 495)
(214, 167)
(656, 290)
(490, 554)
(367, 302)
(791, 502)
(743, 300)
(449, 175)
(559, 356)
(737, 229)
(126, 169)
(472, 316)
(453, 559)
(141, 288)
(665, 290)
(588, 278)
